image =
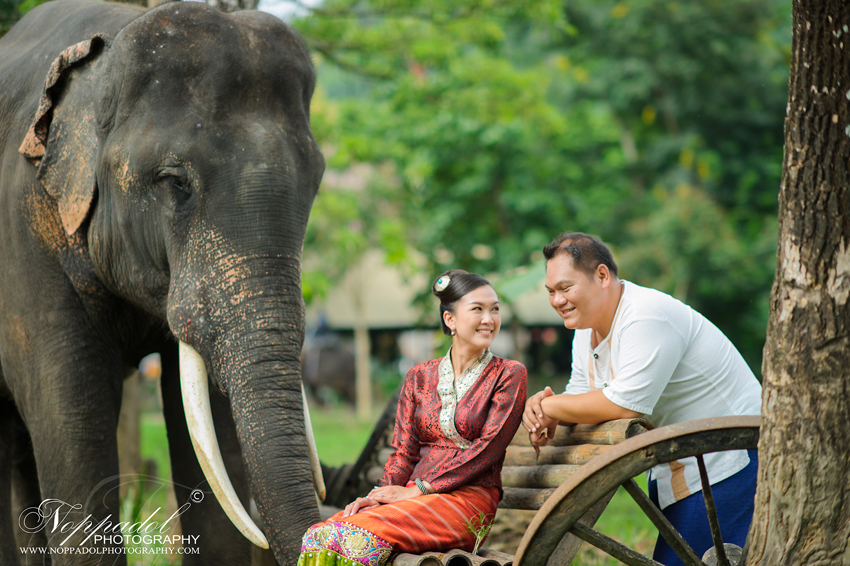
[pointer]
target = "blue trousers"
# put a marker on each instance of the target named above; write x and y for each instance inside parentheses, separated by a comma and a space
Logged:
(734, 498)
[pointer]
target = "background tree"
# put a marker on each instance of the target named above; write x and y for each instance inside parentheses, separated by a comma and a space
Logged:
(656, 125)
(8, 15)
(803, 500)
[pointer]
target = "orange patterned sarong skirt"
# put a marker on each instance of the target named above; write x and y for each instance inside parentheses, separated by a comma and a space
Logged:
(438, 522)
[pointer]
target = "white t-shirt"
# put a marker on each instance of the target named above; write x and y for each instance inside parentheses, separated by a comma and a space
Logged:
(665, 360)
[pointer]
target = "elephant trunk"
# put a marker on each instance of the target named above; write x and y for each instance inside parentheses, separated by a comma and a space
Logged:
(193, 376)
(196, 405)
(251, 344)
(271, 426)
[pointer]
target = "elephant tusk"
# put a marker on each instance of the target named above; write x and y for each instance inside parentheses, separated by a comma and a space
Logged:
(315, 465)
(196, 405)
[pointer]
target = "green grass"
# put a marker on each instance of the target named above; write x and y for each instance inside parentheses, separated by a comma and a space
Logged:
(149, 495)
(623, 521)
(340, 435)
(154, 442)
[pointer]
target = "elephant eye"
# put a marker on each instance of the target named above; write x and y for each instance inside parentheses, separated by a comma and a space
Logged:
(178, 185)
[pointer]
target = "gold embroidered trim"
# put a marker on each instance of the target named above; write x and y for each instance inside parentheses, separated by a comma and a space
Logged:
(451, 393)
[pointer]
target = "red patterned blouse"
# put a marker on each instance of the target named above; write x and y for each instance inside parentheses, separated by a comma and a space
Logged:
(451, 443)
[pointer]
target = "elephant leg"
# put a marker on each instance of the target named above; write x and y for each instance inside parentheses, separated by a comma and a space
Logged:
(72, 417)
(218, 541)
(8, 549)
(26, 493)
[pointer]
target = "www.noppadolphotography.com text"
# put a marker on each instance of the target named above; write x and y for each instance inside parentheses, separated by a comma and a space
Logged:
(106, 550)
(73, 531)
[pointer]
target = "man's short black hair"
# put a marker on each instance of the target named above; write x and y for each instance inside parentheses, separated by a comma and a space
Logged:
(587, 251)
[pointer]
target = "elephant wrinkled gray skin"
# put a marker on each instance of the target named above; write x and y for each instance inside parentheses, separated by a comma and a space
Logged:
(156, 175)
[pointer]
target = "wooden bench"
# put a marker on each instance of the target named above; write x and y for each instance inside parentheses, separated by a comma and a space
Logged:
(528, 480)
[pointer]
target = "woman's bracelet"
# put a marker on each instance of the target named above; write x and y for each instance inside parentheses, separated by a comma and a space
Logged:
(421, 486)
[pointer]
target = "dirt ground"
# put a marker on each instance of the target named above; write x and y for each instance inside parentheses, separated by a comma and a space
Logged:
(510, 524)
(507, 529)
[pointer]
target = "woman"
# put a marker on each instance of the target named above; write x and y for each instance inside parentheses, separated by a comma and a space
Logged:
(456, 416)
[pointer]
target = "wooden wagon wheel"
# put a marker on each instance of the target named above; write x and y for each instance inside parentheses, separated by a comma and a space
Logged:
(618, 466)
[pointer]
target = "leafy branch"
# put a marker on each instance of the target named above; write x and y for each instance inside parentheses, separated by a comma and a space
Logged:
(480, 527)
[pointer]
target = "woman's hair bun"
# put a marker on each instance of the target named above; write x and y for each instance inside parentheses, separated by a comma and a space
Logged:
(444, 282)
(450, 286)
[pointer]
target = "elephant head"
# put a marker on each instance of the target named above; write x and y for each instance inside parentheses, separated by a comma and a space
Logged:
(181, 158)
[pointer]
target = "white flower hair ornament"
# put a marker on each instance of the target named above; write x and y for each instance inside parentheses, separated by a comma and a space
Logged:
(442, 283)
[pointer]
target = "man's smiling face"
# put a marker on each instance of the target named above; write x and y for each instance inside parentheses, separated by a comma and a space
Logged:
(574, 295)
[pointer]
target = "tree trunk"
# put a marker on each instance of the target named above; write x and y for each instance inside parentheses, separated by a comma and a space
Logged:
(362, 371)
(362, 345)
(129, 434)
(802, 513)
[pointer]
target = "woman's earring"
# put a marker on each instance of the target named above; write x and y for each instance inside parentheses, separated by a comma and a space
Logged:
(453, 332)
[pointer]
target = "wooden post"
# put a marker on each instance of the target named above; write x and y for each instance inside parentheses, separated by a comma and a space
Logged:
(129, 455)
(362, 348)
(363, 372)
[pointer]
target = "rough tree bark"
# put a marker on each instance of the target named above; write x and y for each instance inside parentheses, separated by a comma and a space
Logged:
(802, 511)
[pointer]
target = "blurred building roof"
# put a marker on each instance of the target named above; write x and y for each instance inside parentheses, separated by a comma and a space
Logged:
(385, 297)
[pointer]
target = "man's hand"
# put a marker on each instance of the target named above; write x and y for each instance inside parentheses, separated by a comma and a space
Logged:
(540, 427)
(533, 417)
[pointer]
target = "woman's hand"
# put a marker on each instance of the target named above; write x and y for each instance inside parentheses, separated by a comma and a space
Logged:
(379, 495)
(533, 415)
(542, 435)
(359, 504)
(540, 427)
(394, 493)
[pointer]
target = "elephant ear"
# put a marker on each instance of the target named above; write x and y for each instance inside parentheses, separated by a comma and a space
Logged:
(62, 140)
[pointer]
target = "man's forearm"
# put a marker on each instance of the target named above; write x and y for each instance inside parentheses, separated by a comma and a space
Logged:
(587, 408)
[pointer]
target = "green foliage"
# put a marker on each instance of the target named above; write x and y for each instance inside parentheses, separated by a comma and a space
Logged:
(12, 10)
(480, 527)
(657, 125)
(8, 15)
(688, 247)
(149, 494)
(447, 122)
(701, 86)
(387, 37)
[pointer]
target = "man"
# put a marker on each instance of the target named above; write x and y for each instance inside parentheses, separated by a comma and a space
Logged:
(639, 352)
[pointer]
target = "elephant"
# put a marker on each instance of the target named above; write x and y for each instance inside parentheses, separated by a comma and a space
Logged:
(325, 362)
(157, 171)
